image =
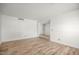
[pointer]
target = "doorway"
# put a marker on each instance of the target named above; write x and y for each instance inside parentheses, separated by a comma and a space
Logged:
(46, 30)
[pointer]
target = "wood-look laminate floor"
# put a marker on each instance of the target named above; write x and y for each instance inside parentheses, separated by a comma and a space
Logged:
(36, 46)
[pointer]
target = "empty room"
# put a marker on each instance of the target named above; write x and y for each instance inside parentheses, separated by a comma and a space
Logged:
(39, 29)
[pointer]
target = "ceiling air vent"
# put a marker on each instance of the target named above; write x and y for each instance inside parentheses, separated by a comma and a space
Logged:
(20, 19)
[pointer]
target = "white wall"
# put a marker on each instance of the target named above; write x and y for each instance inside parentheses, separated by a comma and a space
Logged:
(13, 29)
(40, 28)
(0, 28)
(65, 28)
(47, 29)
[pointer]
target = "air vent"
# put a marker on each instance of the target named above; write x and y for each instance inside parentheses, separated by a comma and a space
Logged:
(20, 19)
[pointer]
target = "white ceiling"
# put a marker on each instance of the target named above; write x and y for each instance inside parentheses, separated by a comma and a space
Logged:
(36, 11)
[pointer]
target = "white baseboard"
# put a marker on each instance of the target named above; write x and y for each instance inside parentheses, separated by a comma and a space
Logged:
(64, 43)
(8, 40)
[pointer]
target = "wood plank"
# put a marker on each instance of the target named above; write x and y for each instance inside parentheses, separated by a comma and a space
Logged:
(37, 46)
